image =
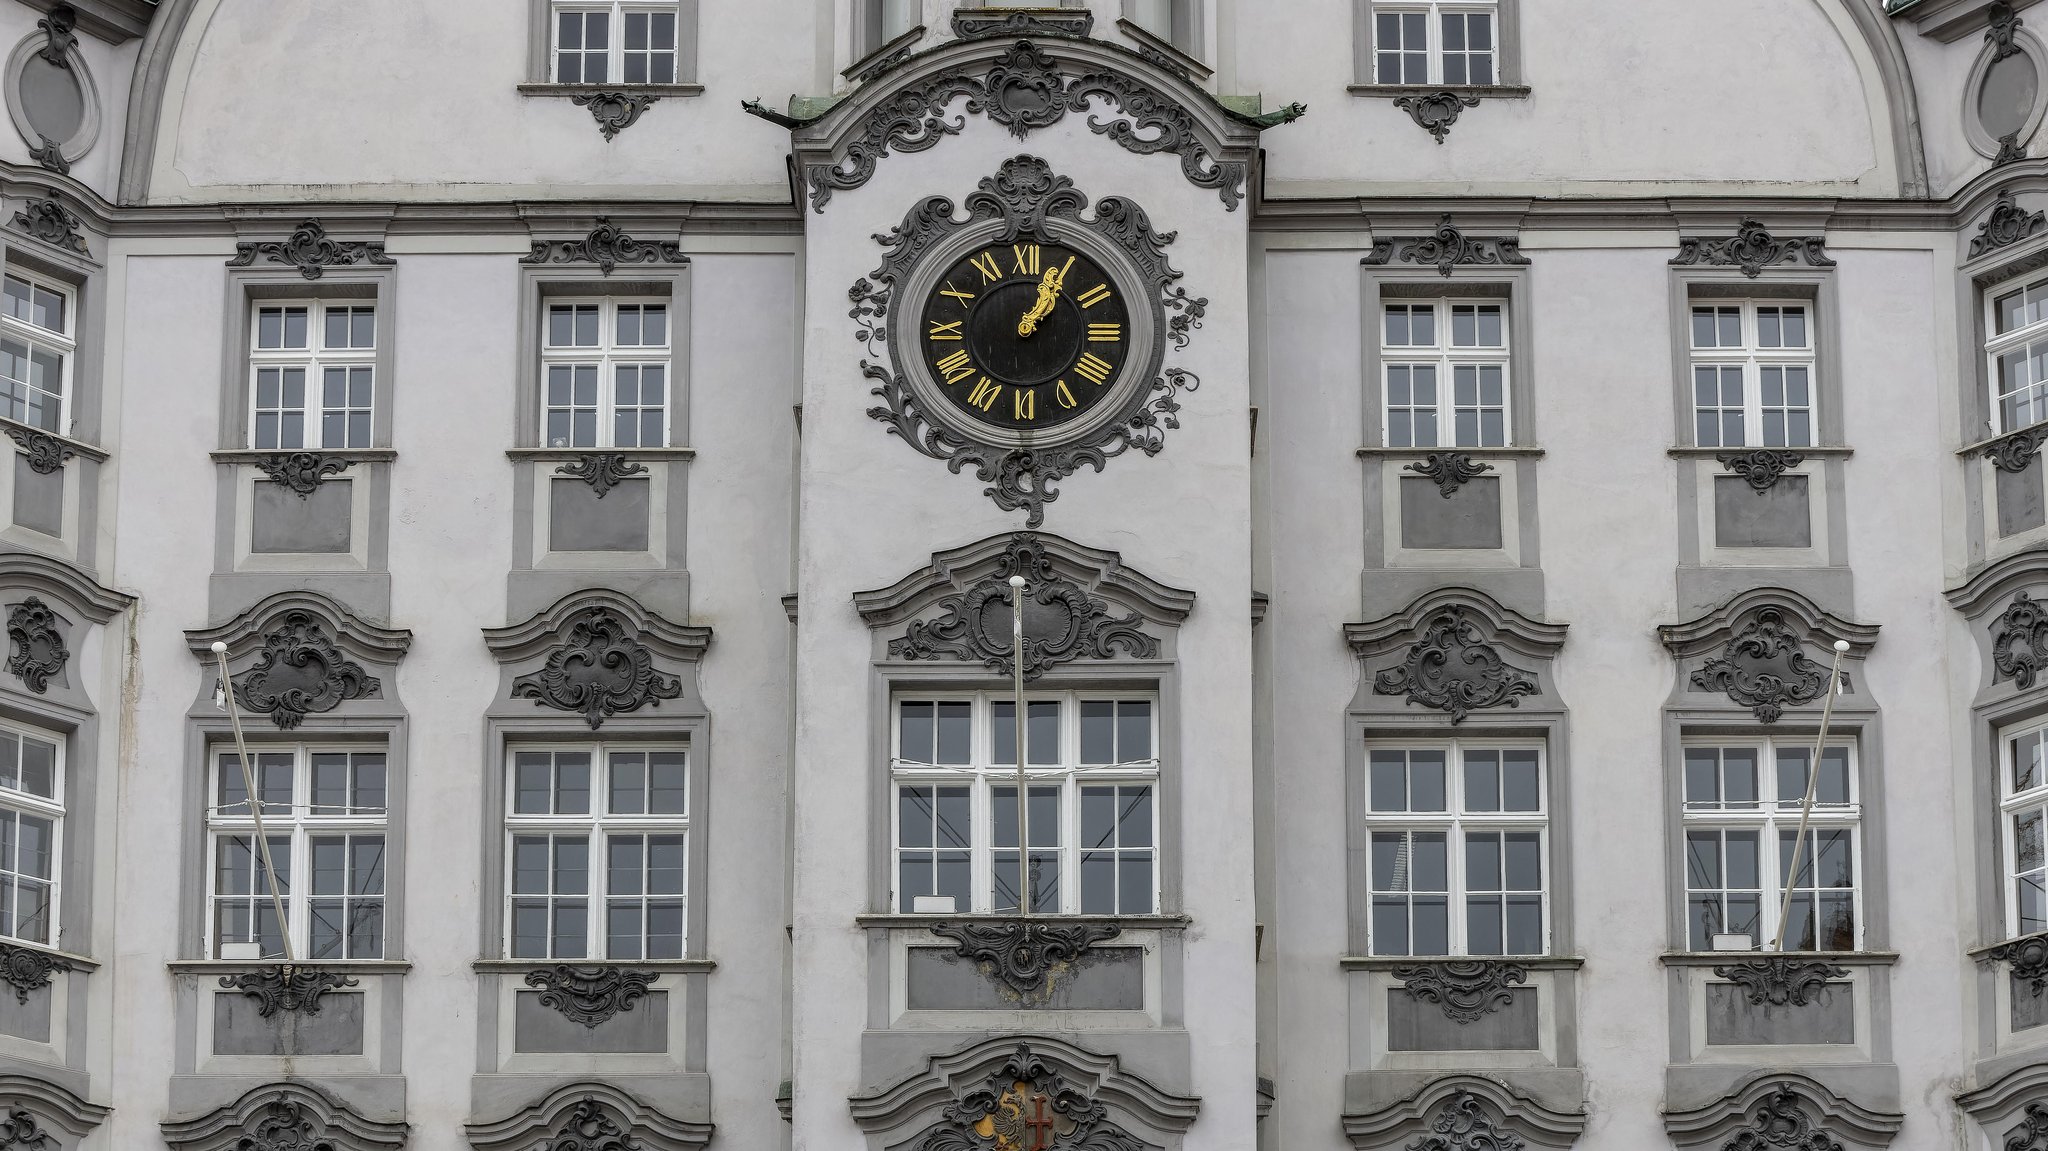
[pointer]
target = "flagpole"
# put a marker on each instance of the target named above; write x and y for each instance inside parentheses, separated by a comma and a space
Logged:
(1827, 713)
(1023, 804)
(227, 687)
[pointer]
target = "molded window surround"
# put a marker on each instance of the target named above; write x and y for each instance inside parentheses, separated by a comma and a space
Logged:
(72, 504)
(1179, 25)
(1403, 47)
(584, 46)
(31, 833)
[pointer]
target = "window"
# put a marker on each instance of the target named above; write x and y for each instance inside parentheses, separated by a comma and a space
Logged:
(1435, 43)
(323, 818)
(615, 43)
(1752, 374)
(1093, 777)
(1741, 798)
(1458, 837)
(2018, 352)
(876, 22)
(599, 840)
(1178, 22)
(36, 334)
(1445, 369)
(31, 820)
(313, 371)
(606, 373)
(2023, 794)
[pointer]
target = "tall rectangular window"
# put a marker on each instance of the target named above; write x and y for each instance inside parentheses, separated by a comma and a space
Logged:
(1458, 857)
(597, 852)
(31, 824)
(615, 43)
(1752, 374)
(1444, 371)
(38, 319)
(312, 374)
(1178, 22)
(876, 22)
(324, 813)
(1425, 42)
(605, 373)
(1741, 814)
(2018, 353)
(1092, 778)
(2023, 809)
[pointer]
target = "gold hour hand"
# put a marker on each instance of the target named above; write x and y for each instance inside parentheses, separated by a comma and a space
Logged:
(1048, 294)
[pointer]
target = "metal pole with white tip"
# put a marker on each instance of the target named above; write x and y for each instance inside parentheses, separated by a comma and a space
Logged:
(1827, 713)
(227, 692)
(1023, 804)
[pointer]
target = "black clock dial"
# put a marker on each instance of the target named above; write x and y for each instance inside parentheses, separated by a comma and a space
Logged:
(1025, 336)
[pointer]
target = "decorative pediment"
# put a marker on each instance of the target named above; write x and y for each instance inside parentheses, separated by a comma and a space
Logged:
(607, 246)
(599, 654)
(53, 224)
(1453, 650)
(2007, 606)
(1465, 1112)
(1026, 85)
(589, 1116)
(311, 251)
(37, 1115)
(1079, 604)
(1021, 1092)
(1752, 249)
(2013, 1109)
(44, 599)
(1778, 1111)
(1448, 248)
(2006, 224)
(298, 654)
(294, 1116)
(1767, 650)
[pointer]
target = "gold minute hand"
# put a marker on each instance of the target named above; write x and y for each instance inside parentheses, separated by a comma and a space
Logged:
(1048, 293)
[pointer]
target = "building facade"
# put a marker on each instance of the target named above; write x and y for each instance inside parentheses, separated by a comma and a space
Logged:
(1528, 518)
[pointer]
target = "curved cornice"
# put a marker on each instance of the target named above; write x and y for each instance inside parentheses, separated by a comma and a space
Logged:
(1711, 630)
(958, 569)
(1545, 1127)
(1101, 1077)
(352, 633)
(1512, 629)
(51, 1103)
(536, 635)
(1707, 1126)
(1977, 595)
(532, 1126)
(2007, 1092)
(332, 1119)
(61, 581)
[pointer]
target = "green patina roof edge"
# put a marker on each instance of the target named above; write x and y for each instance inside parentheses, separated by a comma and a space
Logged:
(1894, 7)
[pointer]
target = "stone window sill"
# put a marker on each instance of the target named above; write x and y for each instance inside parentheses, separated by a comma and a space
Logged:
(573, 453)
(1173, 53)
(1693, 453)
(920, 920)
(1723, 958)
(1484, 91)
(593, 89)
(1476, 453)
(1389, 962)
(89, 451)
(517, 966)
(352, 455)
(229, 966)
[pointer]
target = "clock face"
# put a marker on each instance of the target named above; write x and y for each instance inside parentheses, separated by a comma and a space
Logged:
(1025, 336)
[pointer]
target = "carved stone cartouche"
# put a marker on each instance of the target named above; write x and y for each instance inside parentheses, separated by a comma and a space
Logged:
(2031, 1132)
(1752, 249)
(1435, 112)
(603, 471)
(600, 669)
(2026, 959)
(295, 990)
(1449, 248)
(301, 672)
(614, 111)
(590, 994)
(1461, 1124)
(999, 23)
(1761, 467)
(1451, 669)
(46, 453)
(285, 1125)
(25, 969)
(1780, 1123)
(58, 40)
(2019, 641)
(1781, 982)
(311, 251)
(2016, 452)
(1764, 668)
(1467, 989)
(590, 1127)
(1449, 471)
(1999, 33)
(20, 1131)
(1024, 955)
(1062, 622)
(1025, 1103)
(607, 246)
(36, 645)
(302, 472)
(2007, 223)
(48, 221)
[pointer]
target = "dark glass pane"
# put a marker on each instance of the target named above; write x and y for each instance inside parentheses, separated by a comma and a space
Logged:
(1482, 925)
(1135, 819)
(1426, 781)
(1482, 781)
(1432, 925)
(1525, 925)
(954, 822)
(1098, 731)
(1133, 731)
(1703, 859)
(956, 731)
(1520, 784)
(1390, 927)
(914, 817)
(1482, 862)
(1431, 862)
(1389, 781)
(1134, 886)
(1098, 883)
(1523, 855)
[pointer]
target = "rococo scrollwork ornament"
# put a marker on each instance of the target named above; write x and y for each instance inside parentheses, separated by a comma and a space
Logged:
(1435, 112)
(2027, 959)
(1753, 249)
(589, 1127)
(1025, 1105)
(1463, 1125)
(2007, 223)
(311, 251)
(46, 453)
(590, 994)
(1467, 990)
(600, 669)
(1761, 467)
(1451, 669)
(27, 970)
(50, 222)
(285, 1125)
(1025, 196)
(2016, 452)
(2031, 1133)
(1764, 668)
(2005, 23)
(301, 672)
(1062, 622)
(302, 472)
(36, 645)
(603, 471)
(1780, 1123)
(2019, 641)
(294, 990)
(607, 246)
(1781, 982)
(1448, 248)
(21, 1130)
(1024, 955)
(1449, 471)
(614, 111)
(58, 40)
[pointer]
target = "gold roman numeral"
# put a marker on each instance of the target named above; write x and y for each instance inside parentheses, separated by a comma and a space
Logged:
(1105, 333)
(1027, 258)
(1094, 367)
(945, 331)
(950, 290)
(955, 367)
(1023, 405)
(985, 393)
(1065, 394)
(985, 263)
(1093, 296)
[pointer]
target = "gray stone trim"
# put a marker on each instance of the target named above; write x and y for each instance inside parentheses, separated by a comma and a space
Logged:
(2004, 37)
(49, 221)
(589, 1114)
(301, 632)
(59, 580)
(1754, 649)
(115, 21)
(1400, 653)
(284, 1116)
(2004, 225)
(1783, 1105)
(994, 23)
(1461, 1104)
(2011, 1099)
(55, 155)
(65, 1117)
(956, 571)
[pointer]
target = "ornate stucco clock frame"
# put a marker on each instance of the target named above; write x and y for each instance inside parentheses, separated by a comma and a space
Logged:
(1026, 197)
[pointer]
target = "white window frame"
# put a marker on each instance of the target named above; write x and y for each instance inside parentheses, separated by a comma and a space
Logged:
(878, 22)
(607, 355)
(1453, 822)
(982, 775)
(18, 801)
(596, 826)
(1433, 12)
(300, 826)
(1752, 359)
(1446, 357)
(1157, 17)
(2012, 803)
(615, 49)
(315, 359)
(63, 344)
(1772, 818)
(1998, 343)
